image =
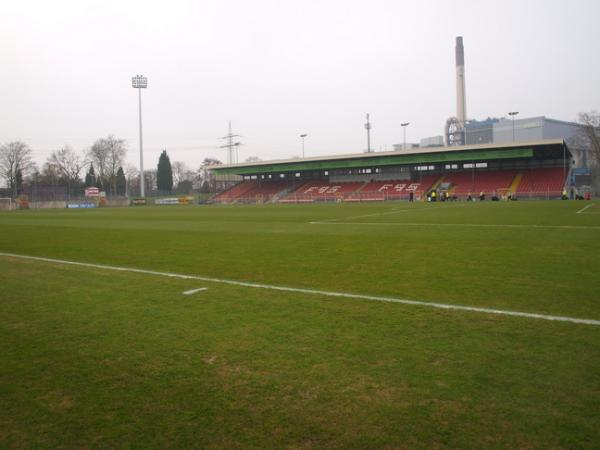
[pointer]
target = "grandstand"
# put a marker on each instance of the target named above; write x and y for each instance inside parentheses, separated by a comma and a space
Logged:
(536, 169)
(491, 181)
(251, 192)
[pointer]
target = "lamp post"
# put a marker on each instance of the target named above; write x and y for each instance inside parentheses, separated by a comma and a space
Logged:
(302, 136)
(237, 151)
(565, 164)
(140, 82)
(513, 114)
(404, 125)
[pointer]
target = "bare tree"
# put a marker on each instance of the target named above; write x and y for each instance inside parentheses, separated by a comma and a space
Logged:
(589, 135)
(98, 155)
(132, 175)
(50, 174)
(70, 165)
(193, 177)
(150, 177)
(206, 165)
(211, 162)
(179, 169)
(108, 154)
(206, 178)
(15, 158)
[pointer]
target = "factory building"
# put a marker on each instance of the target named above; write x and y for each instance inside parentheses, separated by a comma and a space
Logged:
(500, 131)
(532, 129)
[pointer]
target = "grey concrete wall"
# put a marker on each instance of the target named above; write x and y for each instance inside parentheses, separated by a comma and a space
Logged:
(118, 202)
(48, 205)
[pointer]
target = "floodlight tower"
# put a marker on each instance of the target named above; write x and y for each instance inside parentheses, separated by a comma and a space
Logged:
(302, 136)
(513, 114)
(461, 96)
(404, 125)
(140, 82)
(368, 128)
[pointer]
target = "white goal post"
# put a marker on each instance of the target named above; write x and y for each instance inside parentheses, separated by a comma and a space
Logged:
(6, 204)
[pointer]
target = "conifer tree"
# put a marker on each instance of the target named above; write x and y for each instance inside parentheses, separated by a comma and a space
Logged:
(164, 173)
(121, 182)
(90, 177)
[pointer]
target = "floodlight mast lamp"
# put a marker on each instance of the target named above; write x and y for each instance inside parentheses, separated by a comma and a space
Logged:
(513, 114)
(368, 128)
(302, 136)
(140, 82)
(404, 125)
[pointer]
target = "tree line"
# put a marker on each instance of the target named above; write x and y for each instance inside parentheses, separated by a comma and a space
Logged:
(102, 166)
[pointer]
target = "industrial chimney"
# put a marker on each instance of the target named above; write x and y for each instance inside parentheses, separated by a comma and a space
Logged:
(461, 98)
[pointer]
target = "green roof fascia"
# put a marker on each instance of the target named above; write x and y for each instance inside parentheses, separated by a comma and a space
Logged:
(427, 158)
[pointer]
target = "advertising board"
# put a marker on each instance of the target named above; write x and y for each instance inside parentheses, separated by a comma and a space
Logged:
(80, 205)
(167, 201)
(184, 200)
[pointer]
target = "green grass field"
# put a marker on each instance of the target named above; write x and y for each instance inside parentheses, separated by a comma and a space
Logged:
(97, 358)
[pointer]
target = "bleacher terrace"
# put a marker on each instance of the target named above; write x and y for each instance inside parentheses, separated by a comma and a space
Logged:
(520, 170)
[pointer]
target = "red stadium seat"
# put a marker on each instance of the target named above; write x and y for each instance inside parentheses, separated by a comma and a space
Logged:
(487, 181)
(322, 191)
(547, 182)
(393, 189)
(236, 191)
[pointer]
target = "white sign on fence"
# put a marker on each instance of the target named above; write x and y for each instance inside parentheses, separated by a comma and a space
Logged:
(167, 201)
(92, 192)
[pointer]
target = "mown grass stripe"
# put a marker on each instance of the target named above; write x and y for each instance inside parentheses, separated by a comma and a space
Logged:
(313, 291)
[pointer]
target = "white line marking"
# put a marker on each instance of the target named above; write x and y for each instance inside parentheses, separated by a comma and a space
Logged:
(393, 211)
(193, 291)
(584, 208)
(493, 225)
(396, 211)
(502, 312)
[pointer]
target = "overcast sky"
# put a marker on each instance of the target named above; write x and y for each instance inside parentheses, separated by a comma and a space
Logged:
(281, 68)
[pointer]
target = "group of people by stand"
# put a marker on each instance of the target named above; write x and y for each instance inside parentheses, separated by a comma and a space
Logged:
(444, 196)
(587, 195)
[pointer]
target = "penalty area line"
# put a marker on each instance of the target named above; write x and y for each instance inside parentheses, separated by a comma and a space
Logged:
(402, 301)
(584, 208)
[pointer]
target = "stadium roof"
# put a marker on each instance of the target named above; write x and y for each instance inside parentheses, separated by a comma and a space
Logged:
(424, 155)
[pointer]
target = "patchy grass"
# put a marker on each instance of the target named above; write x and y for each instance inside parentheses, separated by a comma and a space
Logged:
(98, 359)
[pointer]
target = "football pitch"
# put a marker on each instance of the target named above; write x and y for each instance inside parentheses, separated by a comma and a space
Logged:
(383, 325)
